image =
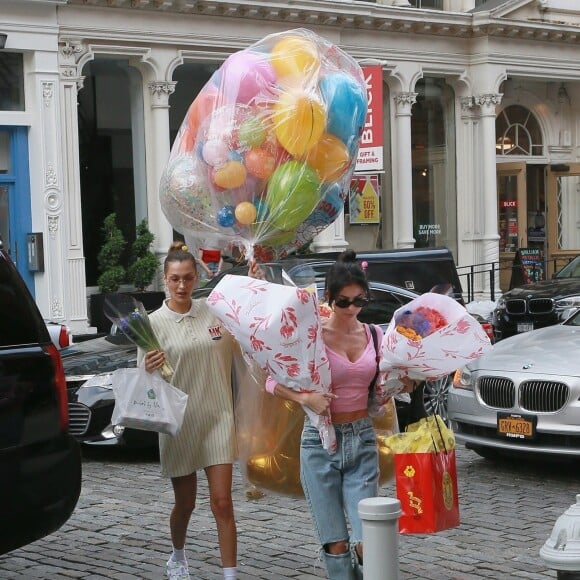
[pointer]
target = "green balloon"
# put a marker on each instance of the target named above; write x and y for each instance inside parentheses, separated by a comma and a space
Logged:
(293, 193)
(251, 133)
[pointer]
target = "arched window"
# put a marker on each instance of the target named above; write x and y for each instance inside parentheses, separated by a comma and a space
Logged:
(518, 132)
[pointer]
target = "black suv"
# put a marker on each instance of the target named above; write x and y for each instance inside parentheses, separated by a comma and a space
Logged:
(539, 304)
(40, 463)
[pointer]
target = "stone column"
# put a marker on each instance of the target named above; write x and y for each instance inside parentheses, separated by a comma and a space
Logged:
(65, 227)
(402, 160)
(158, 149)
(486, 150)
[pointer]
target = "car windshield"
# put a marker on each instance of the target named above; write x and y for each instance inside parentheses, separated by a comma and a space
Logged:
(571, 270)
(574, 320)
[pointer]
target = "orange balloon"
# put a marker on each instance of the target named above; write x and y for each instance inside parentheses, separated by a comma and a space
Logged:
(186, 141)
(329, 157)
(246, 212)
(230, 175)
(299, 122)
(199, 110)
(260, 163)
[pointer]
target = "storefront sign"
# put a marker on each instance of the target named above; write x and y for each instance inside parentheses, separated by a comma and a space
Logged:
(429, 230)
(370, 154)
(364, 205)
(508, 203)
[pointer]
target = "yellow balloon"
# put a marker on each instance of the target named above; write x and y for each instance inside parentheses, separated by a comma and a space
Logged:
(295, 60)
(246, 212)
(329, 157)
(230, 175)
(299, 122)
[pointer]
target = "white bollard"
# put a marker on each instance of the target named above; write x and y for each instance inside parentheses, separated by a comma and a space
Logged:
(380, 516)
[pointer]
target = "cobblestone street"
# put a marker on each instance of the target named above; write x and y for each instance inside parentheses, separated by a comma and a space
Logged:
(120, 531)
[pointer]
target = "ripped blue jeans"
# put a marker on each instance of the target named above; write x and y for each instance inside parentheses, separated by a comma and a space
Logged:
(334, 484)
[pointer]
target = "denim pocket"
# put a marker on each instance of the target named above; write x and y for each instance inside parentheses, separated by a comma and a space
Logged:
(367, 437)
(311, 438)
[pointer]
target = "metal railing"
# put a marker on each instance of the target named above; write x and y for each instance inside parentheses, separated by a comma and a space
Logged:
(492, 270)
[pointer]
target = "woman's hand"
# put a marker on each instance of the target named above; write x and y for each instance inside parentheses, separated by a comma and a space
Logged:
(255, 271)
(408, 385)
(318, 402)
(154, 360)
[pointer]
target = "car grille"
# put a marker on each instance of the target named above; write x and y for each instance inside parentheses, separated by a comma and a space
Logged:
(515, 306)
(534, 306)
(540, 305)
(79, 418)
(543, 396)
(497, 392)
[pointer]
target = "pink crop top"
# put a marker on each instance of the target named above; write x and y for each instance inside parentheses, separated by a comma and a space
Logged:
(350, 380)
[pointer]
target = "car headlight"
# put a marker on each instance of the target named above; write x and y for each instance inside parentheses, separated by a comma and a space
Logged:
(500, 304)
(102, 380)
(462, 379)
(568, 302)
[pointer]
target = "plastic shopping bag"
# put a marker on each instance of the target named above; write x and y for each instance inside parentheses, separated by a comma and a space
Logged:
(145, 401)
(426, 477)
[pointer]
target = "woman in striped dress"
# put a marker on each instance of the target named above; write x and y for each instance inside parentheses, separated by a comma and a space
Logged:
(202, 358)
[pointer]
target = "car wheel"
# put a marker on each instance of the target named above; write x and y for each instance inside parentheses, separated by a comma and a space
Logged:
(435, 395)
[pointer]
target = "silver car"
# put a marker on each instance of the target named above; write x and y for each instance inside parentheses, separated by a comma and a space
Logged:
(523, 396)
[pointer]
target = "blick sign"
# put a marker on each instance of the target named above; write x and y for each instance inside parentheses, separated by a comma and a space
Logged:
(370, 154)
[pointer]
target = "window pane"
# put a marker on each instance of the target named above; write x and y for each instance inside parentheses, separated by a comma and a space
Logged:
(4, 152)
(11, 82)
(433, 143)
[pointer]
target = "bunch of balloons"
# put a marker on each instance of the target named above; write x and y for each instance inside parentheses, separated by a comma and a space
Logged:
(265, 154)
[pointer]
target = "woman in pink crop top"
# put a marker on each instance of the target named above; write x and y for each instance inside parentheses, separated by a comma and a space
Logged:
(334, 484)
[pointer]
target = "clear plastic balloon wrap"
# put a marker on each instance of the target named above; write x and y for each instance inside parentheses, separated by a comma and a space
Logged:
(265, 154)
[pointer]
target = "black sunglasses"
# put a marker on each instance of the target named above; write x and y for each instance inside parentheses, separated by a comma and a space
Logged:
(359, 302)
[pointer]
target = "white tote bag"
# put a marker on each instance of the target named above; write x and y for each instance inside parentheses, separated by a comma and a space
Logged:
(145, 401)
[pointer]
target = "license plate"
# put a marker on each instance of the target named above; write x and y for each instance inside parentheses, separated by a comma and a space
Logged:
(525, 326)
(516, 426)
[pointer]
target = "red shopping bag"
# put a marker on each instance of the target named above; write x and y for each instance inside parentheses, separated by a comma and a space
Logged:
(427, 489)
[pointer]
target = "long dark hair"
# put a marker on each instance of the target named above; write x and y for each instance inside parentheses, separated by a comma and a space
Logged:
(178, 252)
(344, 272)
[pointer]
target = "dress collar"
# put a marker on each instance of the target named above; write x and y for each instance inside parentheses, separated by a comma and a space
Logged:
(178, 316)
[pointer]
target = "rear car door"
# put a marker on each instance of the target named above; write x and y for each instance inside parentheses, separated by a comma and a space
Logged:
(40, 463)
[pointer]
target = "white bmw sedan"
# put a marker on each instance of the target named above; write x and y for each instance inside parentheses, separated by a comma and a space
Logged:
(523, 396)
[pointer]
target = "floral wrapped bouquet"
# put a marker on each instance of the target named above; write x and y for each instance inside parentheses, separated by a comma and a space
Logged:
(429, 338)
(278, 327)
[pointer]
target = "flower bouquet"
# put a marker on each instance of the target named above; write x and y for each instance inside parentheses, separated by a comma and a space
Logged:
(131, 319)
(278, 327)
(429, 338)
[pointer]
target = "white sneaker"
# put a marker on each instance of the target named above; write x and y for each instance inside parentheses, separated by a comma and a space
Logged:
(177, 570)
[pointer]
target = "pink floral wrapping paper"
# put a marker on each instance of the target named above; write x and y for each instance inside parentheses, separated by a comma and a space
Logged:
(436, 355)
(279, 328)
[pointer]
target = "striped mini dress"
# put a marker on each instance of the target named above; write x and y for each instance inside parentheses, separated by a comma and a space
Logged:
(201, 356)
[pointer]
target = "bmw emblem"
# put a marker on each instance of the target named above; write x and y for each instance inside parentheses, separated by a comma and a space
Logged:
(527, 366)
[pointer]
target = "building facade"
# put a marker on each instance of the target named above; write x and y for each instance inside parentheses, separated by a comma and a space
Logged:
(480, 124)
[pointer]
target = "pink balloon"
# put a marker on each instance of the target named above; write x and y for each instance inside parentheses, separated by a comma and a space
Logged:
(215, 152)
(247, 76)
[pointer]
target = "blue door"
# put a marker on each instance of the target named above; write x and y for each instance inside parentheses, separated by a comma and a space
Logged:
(15, 212)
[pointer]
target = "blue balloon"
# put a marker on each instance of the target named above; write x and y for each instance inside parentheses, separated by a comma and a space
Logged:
(346, 104)
(236, 156)
(226, 216)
